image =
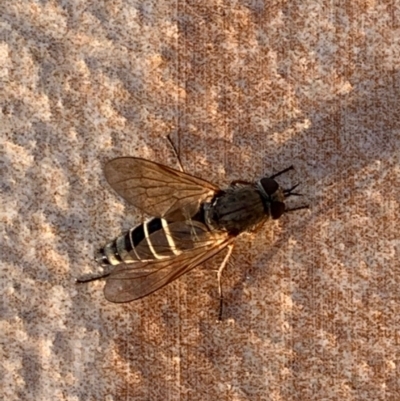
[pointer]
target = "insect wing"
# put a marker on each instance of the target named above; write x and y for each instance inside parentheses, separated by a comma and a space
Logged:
(128, 282)
(157, 189)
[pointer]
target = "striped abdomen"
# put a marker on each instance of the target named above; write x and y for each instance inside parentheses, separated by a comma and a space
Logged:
(155, 239)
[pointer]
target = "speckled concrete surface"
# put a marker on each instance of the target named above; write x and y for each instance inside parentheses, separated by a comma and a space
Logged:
(244, 88)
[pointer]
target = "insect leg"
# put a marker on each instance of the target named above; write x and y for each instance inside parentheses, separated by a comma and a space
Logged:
(88, 279)
(240, 182)
(297, 208)
(282, 172)
(219, 274)
(175, 152)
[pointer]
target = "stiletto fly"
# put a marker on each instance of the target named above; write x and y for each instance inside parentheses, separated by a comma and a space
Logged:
(193, 221)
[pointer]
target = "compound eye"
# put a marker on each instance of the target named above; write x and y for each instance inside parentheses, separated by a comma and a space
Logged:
(270, 186)
(277, 209)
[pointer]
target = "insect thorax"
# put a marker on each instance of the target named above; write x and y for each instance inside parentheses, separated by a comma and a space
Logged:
(236, 210)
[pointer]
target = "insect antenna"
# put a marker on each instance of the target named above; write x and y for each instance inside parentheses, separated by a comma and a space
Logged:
(288, 192)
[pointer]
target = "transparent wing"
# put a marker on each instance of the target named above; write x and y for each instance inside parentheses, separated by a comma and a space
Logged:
(156, 189)
(128, 282)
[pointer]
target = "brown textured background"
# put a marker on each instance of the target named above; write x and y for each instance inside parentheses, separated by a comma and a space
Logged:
(245, 88)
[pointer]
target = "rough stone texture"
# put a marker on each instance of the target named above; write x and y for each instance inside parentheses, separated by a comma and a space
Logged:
(245, 88)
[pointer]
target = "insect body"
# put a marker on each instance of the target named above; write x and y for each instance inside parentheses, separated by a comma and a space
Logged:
(194, 221)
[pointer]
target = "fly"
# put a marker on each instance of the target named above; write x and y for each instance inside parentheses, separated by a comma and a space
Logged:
(194, 220)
